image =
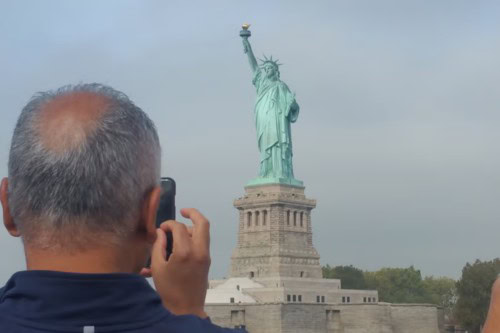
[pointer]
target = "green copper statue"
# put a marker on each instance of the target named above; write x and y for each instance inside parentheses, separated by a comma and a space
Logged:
(275, 110)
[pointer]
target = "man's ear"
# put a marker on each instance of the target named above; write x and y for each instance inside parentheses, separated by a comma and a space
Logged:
(8, 221)
(149, 209)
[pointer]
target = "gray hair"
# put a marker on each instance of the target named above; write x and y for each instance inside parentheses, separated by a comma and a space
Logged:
(71, 197)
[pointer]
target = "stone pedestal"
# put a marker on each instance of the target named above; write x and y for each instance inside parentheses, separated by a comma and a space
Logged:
(275, 235)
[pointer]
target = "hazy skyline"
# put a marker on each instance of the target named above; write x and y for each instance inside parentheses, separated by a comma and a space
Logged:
(397, 136)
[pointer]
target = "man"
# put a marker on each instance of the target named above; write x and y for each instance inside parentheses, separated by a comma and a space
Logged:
(492, 324)
(82, 193)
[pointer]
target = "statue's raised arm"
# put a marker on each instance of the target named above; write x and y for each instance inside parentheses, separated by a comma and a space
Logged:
(275, 110)
(247, 48)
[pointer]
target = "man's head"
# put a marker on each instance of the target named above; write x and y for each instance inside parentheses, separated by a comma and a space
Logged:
(82, 163)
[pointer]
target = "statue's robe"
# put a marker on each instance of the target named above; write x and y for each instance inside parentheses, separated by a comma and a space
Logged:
(274, 111)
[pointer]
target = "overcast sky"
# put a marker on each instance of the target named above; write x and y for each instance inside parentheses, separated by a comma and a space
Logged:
(398, 133)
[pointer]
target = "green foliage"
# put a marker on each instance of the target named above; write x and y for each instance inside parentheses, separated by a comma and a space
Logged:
(441, 291)
(474, 290)
(397, 285)
(466, 301)
(350, 276)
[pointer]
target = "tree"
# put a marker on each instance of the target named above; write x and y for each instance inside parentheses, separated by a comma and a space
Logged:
(397, 285)
(350, 276)
(441, 291)
(473, 290)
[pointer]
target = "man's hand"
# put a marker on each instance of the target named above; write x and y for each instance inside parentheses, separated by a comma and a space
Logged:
(492, 324)
(182, 281)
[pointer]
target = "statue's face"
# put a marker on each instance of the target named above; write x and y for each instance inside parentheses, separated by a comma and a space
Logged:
(271, 71)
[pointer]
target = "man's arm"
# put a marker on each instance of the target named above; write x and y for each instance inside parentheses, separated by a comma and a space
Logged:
(251, 57)
(492, 324)
(182, 281)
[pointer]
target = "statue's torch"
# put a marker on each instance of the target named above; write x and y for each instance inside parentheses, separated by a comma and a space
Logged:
(245, 33)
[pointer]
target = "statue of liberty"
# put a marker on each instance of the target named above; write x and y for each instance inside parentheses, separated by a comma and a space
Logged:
(275, 109)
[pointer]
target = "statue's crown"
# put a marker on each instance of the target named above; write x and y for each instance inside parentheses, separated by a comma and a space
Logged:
(269, 60)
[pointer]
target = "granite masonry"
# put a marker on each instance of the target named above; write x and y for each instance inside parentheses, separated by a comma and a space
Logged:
(275, 282)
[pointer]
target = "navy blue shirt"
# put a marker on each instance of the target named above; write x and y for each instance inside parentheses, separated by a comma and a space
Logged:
(47, 301)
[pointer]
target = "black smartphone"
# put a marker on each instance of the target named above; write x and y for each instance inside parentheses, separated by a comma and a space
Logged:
(166, 210)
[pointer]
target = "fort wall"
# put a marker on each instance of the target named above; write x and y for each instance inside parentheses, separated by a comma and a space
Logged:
(328, 318)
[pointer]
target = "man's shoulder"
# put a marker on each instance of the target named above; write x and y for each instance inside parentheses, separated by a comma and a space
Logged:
(2, 290)
(172, 323)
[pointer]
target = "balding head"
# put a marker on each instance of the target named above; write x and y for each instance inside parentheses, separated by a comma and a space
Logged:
(67, 120)
(81, 161)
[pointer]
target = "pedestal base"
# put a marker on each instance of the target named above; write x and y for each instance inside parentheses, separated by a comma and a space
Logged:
(275, 234)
